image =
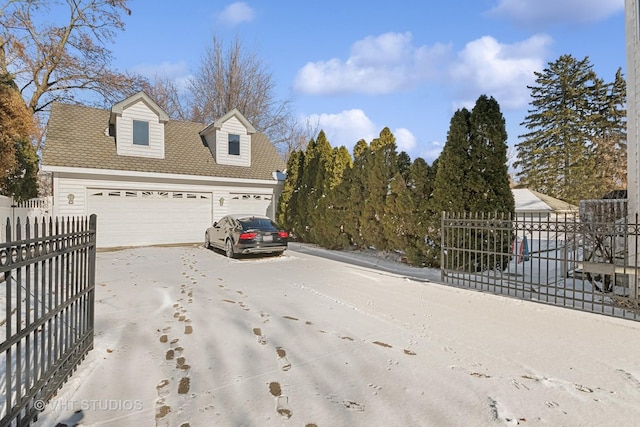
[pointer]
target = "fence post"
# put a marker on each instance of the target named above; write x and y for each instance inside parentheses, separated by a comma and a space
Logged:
(634, 249)
(442, 256)
(8, 324)
(93, 236)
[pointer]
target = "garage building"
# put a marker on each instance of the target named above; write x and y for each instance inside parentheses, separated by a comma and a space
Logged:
(152, 180)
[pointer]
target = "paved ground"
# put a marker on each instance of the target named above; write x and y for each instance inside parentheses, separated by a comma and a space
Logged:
(187, 337)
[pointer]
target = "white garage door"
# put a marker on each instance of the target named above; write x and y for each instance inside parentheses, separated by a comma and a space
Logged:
(248, 203)
(138, 218)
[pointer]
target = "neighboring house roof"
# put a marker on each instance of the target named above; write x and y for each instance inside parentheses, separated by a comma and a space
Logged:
(529, 201)
(78, 137)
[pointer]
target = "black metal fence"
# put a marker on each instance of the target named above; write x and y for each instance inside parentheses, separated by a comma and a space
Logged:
(588, 264)
(47, 327)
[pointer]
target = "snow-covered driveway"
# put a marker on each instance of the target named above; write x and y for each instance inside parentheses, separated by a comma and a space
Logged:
(187, 337)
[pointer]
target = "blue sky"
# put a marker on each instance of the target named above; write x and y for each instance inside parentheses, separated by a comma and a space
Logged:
(359, 66)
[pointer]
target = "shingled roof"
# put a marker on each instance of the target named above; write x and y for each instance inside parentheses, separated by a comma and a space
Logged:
(76, 137)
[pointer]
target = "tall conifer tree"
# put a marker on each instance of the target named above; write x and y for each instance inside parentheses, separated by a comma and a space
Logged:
(557, 154)
(472, 178)
(398, 215)
(454, 166)
(287, 212)
(329, 230)
(381, 168)
(424, 243)
(356, 188)
(319, 179)
(610, 135)
(312, 184)
(489, 153)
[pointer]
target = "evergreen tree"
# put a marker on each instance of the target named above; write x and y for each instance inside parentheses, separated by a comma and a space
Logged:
(286, 214)
(320, 179)
(472, 177)
(489, 152)
(489, 140)
(329, 228)
(398, 208)
(610, 136)
(557, 155)
(423, 242)
(340, 162)
(454, 164)
(304, 192)
(381, 168)
(352, 194)
(404, 165)
(398, 215)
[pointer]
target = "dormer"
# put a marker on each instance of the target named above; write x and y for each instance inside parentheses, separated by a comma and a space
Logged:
(138, 126)
(229, 139)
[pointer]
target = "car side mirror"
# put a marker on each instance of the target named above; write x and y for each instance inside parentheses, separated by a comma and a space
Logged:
(215, 224)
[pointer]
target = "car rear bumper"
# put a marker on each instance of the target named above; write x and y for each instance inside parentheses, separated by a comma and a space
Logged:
(260, 249)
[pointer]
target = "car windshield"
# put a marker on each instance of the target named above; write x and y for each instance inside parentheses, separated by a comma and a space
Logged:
(257, 223)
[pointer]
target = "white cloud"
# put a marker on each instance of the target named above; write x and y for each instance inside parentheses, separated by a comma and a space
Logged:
(350, 126)
(346, 128)
(236, 13)
(405, 140)
(536, 13)
(486, 66)
(431, 151)
(376, 65)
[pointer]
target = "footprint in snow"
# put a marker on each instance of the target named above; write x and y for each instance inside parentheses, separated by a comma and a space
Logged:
(285, 365)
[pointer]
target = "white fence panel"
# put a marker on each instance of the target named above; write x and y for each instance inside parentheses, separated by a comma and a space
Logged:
(33, 209)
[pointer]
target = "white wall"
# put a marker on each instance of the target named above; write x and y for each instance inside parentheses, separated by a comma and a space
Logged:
(632, 16)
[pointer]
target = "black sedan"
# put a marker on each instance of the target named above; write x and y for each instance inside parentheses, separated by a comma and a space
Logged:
(246, 234)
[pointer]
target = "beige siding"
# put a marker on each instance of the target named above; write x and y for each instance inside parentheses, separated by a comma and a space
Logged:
(124, 132)
(233, 126)
(78, 185)
(65, 189)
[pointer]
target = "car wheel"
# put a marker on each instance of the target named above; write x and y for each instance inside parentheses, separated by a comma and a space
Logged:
(207, 242)
(228, 249)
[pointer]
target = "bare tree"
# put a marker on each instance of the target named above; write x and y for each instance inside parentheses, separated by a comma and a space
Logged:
(234, 77)
(56, 61)
(294, 134)
(166, 93)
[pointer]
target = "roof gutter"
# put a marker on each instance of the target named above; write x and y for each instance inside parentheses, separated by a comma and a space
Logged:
(156, 175)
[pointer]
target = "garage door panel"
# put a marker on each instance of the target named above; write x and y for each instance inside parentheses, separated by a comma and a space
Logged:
(134, 218)
(250, 203)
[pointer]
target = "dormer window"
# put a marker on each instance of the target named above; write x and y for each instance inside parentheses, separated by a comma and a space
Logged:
(234, 144)
(140, 132)
(139, 127)
(229, 139)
